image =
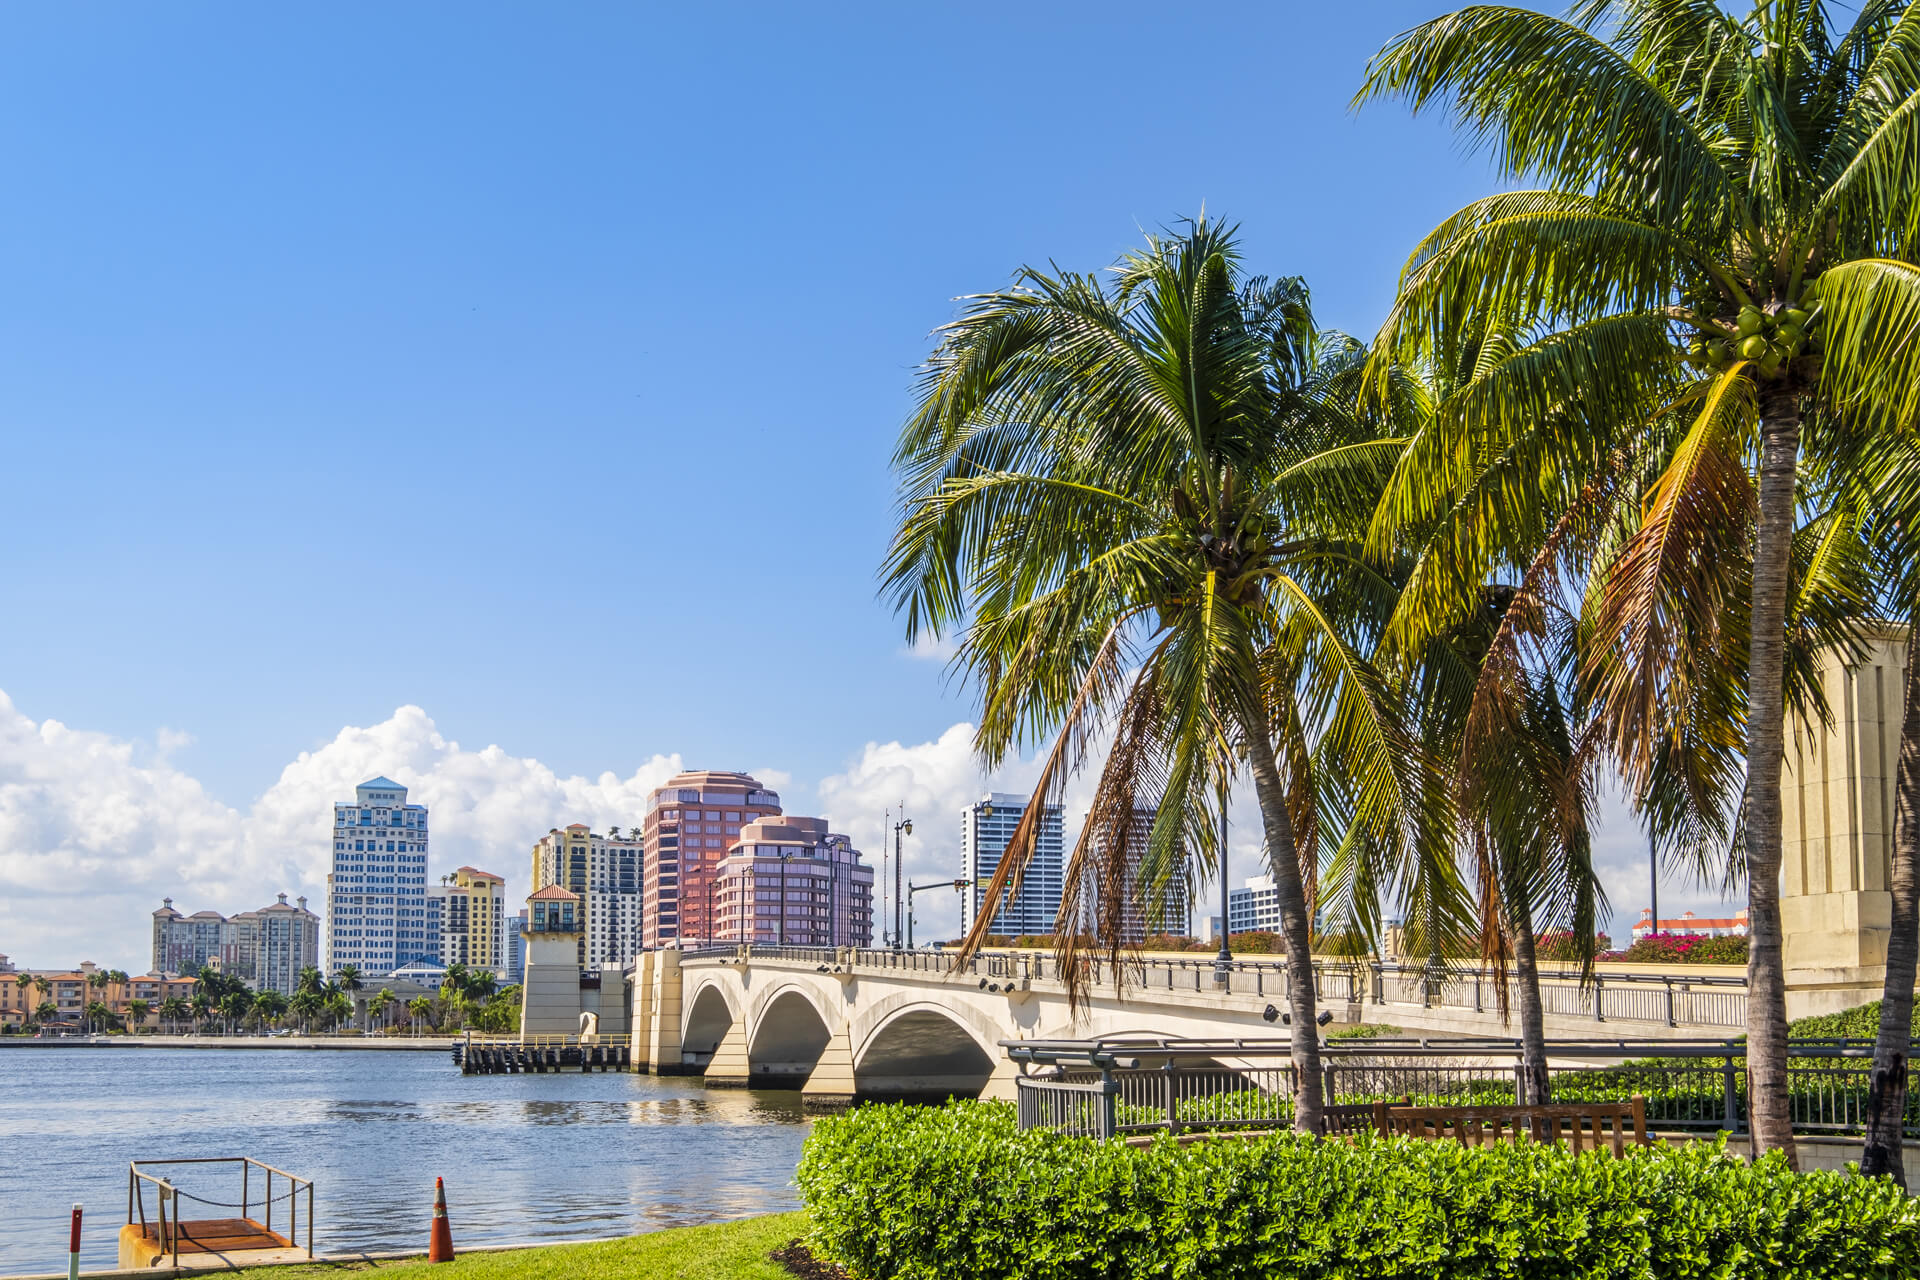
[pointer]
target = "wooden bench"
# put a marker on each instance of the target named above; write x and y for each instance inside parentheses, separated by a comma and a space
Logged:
(1345, 1119)
(1583, 1126)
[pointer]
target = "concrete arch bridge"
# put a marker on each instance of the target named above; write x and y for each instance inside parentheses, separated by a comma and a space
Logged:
(866, 1023)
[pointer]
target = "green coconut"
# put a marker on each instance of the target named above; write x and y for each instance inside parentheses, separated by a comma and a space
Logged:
(1753, 346)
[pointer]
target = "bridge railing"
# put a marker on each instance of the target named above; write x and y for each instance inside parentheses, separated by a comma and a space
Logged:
(1671, 1000)
(1174, 1085)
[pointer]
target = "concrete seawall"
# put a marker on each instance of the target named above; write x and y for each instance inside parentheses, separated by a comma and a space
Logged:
(436, 1044)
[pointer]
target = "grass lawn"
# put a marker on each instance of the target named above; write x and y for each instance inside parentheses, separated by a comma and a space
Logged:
(723, 1251)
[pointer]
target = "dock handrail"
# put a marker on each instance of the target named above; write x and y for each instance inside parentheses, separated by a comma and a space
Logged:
(168, 1227)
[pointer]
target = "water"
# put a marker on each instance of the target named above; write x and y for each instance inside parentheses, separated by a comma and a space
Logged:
(526, 1157)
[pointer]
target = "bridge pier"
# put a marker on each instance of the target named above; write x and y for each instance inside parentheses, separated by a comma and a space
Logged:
(832, 1083)
(730, 1064)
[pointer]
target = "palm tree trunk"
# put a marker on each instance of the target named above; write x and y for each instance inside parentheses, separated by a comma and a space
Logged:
(1769, 1119)
(1887, 1088)
(1295, 928)
(1534, 1087)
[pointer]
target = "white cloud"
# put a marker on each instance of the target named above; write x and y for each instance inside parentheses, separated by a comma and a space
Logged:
(94, 830)
(931, 648)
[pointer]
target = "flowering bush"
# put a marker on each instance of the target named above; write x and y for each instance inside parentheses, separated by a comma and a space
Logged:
(1681, 948)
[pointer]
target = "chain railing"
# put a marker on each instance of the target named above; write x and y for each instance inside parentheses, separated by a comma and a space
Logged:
(165, 1228)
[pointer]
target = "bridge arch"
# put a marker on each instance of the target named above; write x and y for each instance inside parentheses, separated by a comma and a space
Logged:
(917, 1048)
(789, 1033)
(710, 1014)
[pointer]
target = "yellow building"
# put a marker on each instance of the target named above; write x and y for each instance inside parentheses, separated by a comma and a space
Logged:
(473, 933)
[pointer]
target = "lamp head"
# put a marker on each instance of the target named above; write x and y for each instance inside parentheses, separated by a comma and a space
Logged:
(907, 826)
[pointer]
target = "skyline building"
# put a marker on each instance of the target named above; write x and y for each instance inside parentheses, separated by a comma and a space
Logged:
(377, 889)
(608, 874)
(517, 946)
(1254, 908)
(473, 920)
(1136, 926)
(690, 824)
(266, 948)
(985, 827)
(790, 880)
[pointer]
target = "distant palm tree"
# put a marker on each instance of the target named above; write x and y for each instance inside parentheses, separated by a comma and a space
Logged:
(338, 1007)
(270, 1005)
(172, 1009)
(137, 1011)
(309, 981)
(236, 1007)
(381, 1003)
(348, 982)
(46, 1012)
(419, 1008)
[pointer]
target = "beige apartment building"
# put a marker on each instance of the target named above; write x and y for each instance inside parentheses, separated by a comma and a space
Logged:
(473, 932)
(606, 872)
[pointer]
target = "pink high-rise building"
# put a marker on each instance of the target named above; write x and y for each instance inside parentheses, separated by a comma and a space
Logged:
(690, 825)
(791, 880)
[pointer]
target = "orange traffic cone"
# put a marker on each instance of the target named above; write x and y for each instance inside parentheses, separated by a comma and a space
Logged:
(440, 1248)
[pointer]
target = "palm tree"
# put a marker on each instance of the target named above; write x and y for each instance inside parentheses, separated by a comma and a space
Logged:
(381, 1003)
(1736, 191)
(348, 981)
(338, 1007)
(419, 1008)
(457, 977)
(235, 1007)
(1138, 506)
(172, 1009)
(480, 983)
(202, 1006)
(270, 1005)
(47, 1011)
(98, 1015)
(137, 1011)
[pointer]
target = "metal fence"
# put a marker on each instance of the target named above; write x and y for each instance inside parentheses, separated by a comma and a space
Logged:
(1137, 1085)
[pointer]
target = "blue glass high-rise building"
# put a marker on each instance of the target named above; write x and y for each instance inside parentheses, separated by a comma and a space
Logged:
(377, 890)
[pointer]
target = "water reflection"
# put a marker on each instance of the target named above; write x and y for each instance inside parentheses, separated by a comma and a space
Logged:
(526, 1157)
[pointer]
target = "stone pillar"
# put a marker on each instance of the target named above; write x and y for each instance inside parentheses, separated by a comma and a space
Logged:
(1837, 838)
(550, 1000)
(640, 1039)
(999, 1085)
(663, 1045)
(729, 1064)
(832, 1084)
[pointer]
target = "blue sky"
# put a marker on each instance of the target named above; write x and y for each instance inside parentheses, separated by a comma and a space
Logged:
(538, 366)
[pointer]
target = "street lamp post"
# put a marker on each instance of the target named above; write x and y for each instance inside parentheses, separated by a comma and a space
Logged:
(905, 825)
(1223, 962)
(958, 886)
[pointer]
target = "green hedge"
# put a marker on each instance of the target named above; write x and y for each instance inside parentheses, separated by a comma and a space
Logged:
(956, 1193)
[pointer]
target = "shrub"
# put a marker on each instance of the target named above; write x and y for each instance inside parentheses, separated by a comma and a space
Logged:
(956, 1193)
(1679, 948)
(1862, 1022)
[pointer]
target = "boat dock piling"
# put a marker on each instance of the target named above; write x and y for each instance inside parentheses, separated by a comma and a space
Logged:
(480, 1056)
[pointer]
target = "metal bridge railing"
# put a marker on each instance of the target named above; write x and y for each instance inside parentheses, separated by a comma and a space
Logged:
(1686, 1000)
(1146, 1085)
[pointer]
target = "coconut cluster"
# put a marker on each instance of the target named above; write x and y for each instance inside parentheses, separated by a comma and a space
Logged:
(1768, 340)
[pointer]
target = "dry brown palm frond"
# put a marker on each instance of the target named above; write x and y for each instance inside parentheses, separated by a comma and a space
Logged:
(1082, 721)
(1109, 860)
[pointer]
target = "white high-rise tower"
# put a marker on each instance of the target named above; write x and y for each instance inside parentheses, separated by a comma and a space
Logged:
(377, 891)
